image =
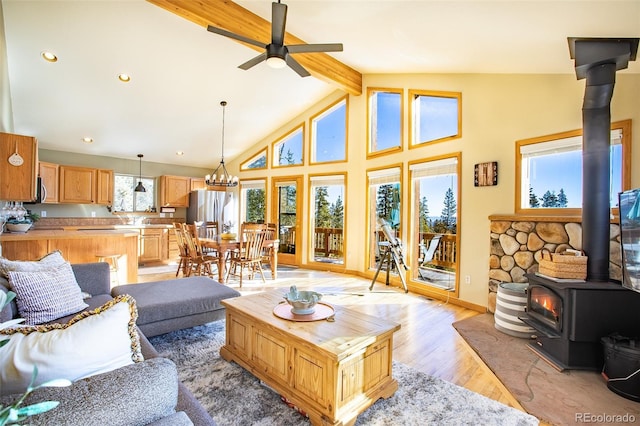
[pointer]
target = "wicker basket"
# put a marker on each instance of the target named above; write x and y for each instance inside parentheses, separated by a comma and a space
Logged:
(560, 265)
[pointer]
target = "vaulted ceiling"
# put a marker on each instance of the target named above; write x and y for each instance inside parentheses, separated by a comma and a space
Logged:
(180, 72)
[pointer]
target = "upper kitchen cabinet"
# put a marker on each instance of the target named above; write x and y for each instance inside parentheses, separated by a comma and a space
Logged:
(174, 191)
(18, 172)
(104, 193)
(77, 185)
(48, 173)
(198, 183)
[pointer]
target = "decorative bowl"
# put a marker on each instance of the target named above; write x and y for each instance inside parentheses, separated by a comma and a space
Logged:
(18, 227)
(228, 236)
(302, 302)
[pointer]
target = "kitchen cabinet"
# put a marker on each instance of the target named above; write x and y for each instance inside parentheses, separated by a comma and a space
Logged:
(153, 245)
(77, 185)
(174, 191)
(198, 183)
(104, 191)
(84, 185)
(19, 157)
(48, 173)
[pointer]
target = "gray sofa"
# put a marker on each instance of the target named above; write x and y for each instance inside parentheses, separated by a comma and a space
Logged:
(145, 393)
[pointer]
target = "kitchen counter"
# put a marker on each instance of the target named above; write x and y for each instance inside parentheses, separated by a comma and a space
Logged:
(114, 227)
(77, 246)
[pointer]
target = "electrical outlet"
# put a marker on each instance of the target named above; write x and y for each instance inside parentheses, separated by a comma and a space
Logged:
(93, 214)
(467, 279)
(43, 213)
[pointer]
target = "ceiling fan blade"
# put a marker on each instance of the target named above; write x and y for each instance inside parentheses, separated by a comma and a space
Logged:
(312, 48)
(294, 65)
(278, 22)
(253, 62)
(235, 36)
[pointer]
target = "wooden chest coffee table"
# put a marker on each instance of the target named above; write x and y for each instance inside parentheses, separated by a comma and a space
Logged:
(333, 371)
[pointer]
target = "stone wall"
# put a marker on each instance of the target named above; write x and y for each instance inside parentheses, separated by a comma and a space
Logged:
(516, 248)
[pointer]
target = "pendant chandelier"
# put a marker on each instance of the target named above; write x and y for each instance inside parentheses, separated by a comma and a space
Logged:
(140, 187)
(220, 177)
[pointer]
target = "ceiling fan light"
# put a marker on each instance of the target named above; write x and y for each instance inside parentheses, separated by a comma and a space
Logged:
(276, 62)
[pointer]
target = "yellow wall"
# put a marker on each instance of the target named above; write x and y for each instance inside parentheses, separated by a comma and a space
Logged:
(497, 110)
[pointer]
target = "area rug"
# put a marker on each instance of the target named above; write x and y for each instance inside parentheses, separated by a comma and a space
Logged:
(235, 397)
(560, 398)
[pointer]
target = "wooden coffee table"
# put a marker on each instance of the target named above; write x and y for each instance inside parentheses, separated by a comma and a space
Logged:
(332, 370)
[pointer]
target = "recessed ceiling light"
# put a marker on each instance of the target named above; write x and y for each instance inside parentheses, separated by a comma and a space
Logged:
(179, 152)
(125, 78)
(87, 140)
(49, 56)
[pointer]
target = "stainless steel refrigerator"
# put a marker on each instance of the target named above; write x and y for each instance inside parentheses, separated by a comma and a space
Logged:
(212, 206)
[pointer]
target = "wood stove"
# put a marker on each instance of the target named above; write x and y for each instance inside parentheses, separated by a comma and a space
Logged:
(571, 317)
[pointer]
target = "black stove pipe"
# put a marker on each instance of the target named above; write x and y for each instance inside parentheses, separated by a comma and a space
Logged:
(597, 60)
(596, 185)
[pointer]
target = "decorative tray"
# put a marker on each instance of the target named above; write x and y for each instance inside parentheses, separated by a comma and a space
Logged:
(323, 311)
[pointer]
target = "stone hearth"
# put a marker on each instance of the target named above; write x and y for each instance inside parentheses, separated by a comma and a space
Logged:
(516, 248)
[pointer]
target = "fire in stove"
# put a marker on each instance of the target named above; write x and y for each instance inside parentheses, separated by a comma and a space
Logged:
(545, 306)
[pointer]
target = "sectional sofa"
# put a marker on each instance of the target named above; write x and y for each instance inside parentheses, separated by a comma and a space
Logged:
(147, 392)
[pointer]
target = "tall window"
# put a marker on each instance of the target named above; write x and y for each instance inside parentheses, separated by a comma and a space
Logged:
(435, 116)
(435, 207)
(288, 151)
(258, 161)
(253, 201)
(384, 112)
(327, 219)
(125, 199)
(550, 169)
(384, 204)
(329, 134)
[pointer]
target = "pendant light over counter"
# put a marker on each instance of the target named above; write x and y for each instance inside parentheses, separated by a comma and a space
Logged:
(140, 187)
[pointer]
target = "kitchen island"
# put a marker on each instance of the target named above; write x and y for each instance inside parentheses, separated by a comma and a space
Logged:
(77, 246)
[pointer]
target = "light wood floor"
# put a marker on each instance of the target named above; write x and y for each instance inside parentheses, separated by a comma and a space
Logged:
(426, 341)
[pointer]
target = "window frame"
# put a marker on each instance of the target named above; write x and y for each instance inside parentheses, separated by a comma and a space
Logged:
(413, 255)
(250, 184)
(135, 180)
(312, 179)
(283, 139)
(413, 94)
(263, 152)
(318, 116)
(370, 263)
(370, 152)
(624, 125)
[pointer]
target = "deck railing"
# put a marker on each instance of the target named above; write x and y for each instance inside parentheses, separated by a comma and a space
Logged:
(446, 252)
(328, 242)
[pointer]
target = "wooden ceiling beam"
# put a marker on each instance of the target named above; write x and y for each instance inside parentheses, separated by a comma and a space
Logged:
(233, 17)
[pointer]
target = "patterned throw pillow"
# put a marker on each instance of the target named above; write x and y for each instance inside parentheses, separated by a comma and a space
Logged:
(93, 342)
(47, 295)
(47, 262)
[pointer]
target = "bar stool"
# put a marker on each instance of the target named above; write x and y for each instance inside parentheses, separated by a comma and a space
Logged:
(112, 260)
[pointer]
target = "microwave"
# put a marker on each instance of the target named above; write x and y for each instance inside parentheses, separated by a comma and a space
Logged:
(41, 192)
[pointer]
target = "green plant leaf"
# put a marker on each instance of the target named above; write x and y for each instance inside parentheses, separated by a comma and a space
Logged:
(38, 408)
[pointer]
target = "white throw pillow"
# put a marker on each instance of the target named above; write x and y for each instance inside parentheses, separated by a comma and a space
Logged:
(93, 342)
(49, 261)
(47, 295)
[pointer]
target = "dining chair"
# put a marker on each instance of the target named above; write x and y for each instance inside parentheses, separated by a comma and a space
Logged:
(428, 253)
(200, 262)
(209, 230)
(271, 234)
(185, 260)
(249, 255)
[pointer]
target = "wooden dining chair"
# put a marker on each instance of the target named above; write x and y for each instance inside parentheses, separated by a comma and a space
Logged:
(271, 234)
(249, 255)
(200, 263)
(184, 265)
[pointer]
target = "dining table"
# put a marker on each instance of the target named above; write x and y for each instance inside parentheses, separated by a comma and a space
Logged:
(224, 246)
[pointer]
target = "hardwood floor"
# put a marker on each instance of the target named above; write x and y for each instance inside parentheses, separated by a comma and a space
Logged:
(426, 341)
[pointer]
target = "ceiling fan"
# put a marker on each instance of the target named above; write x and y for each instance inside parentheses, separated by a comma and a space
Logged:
(277, 54)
